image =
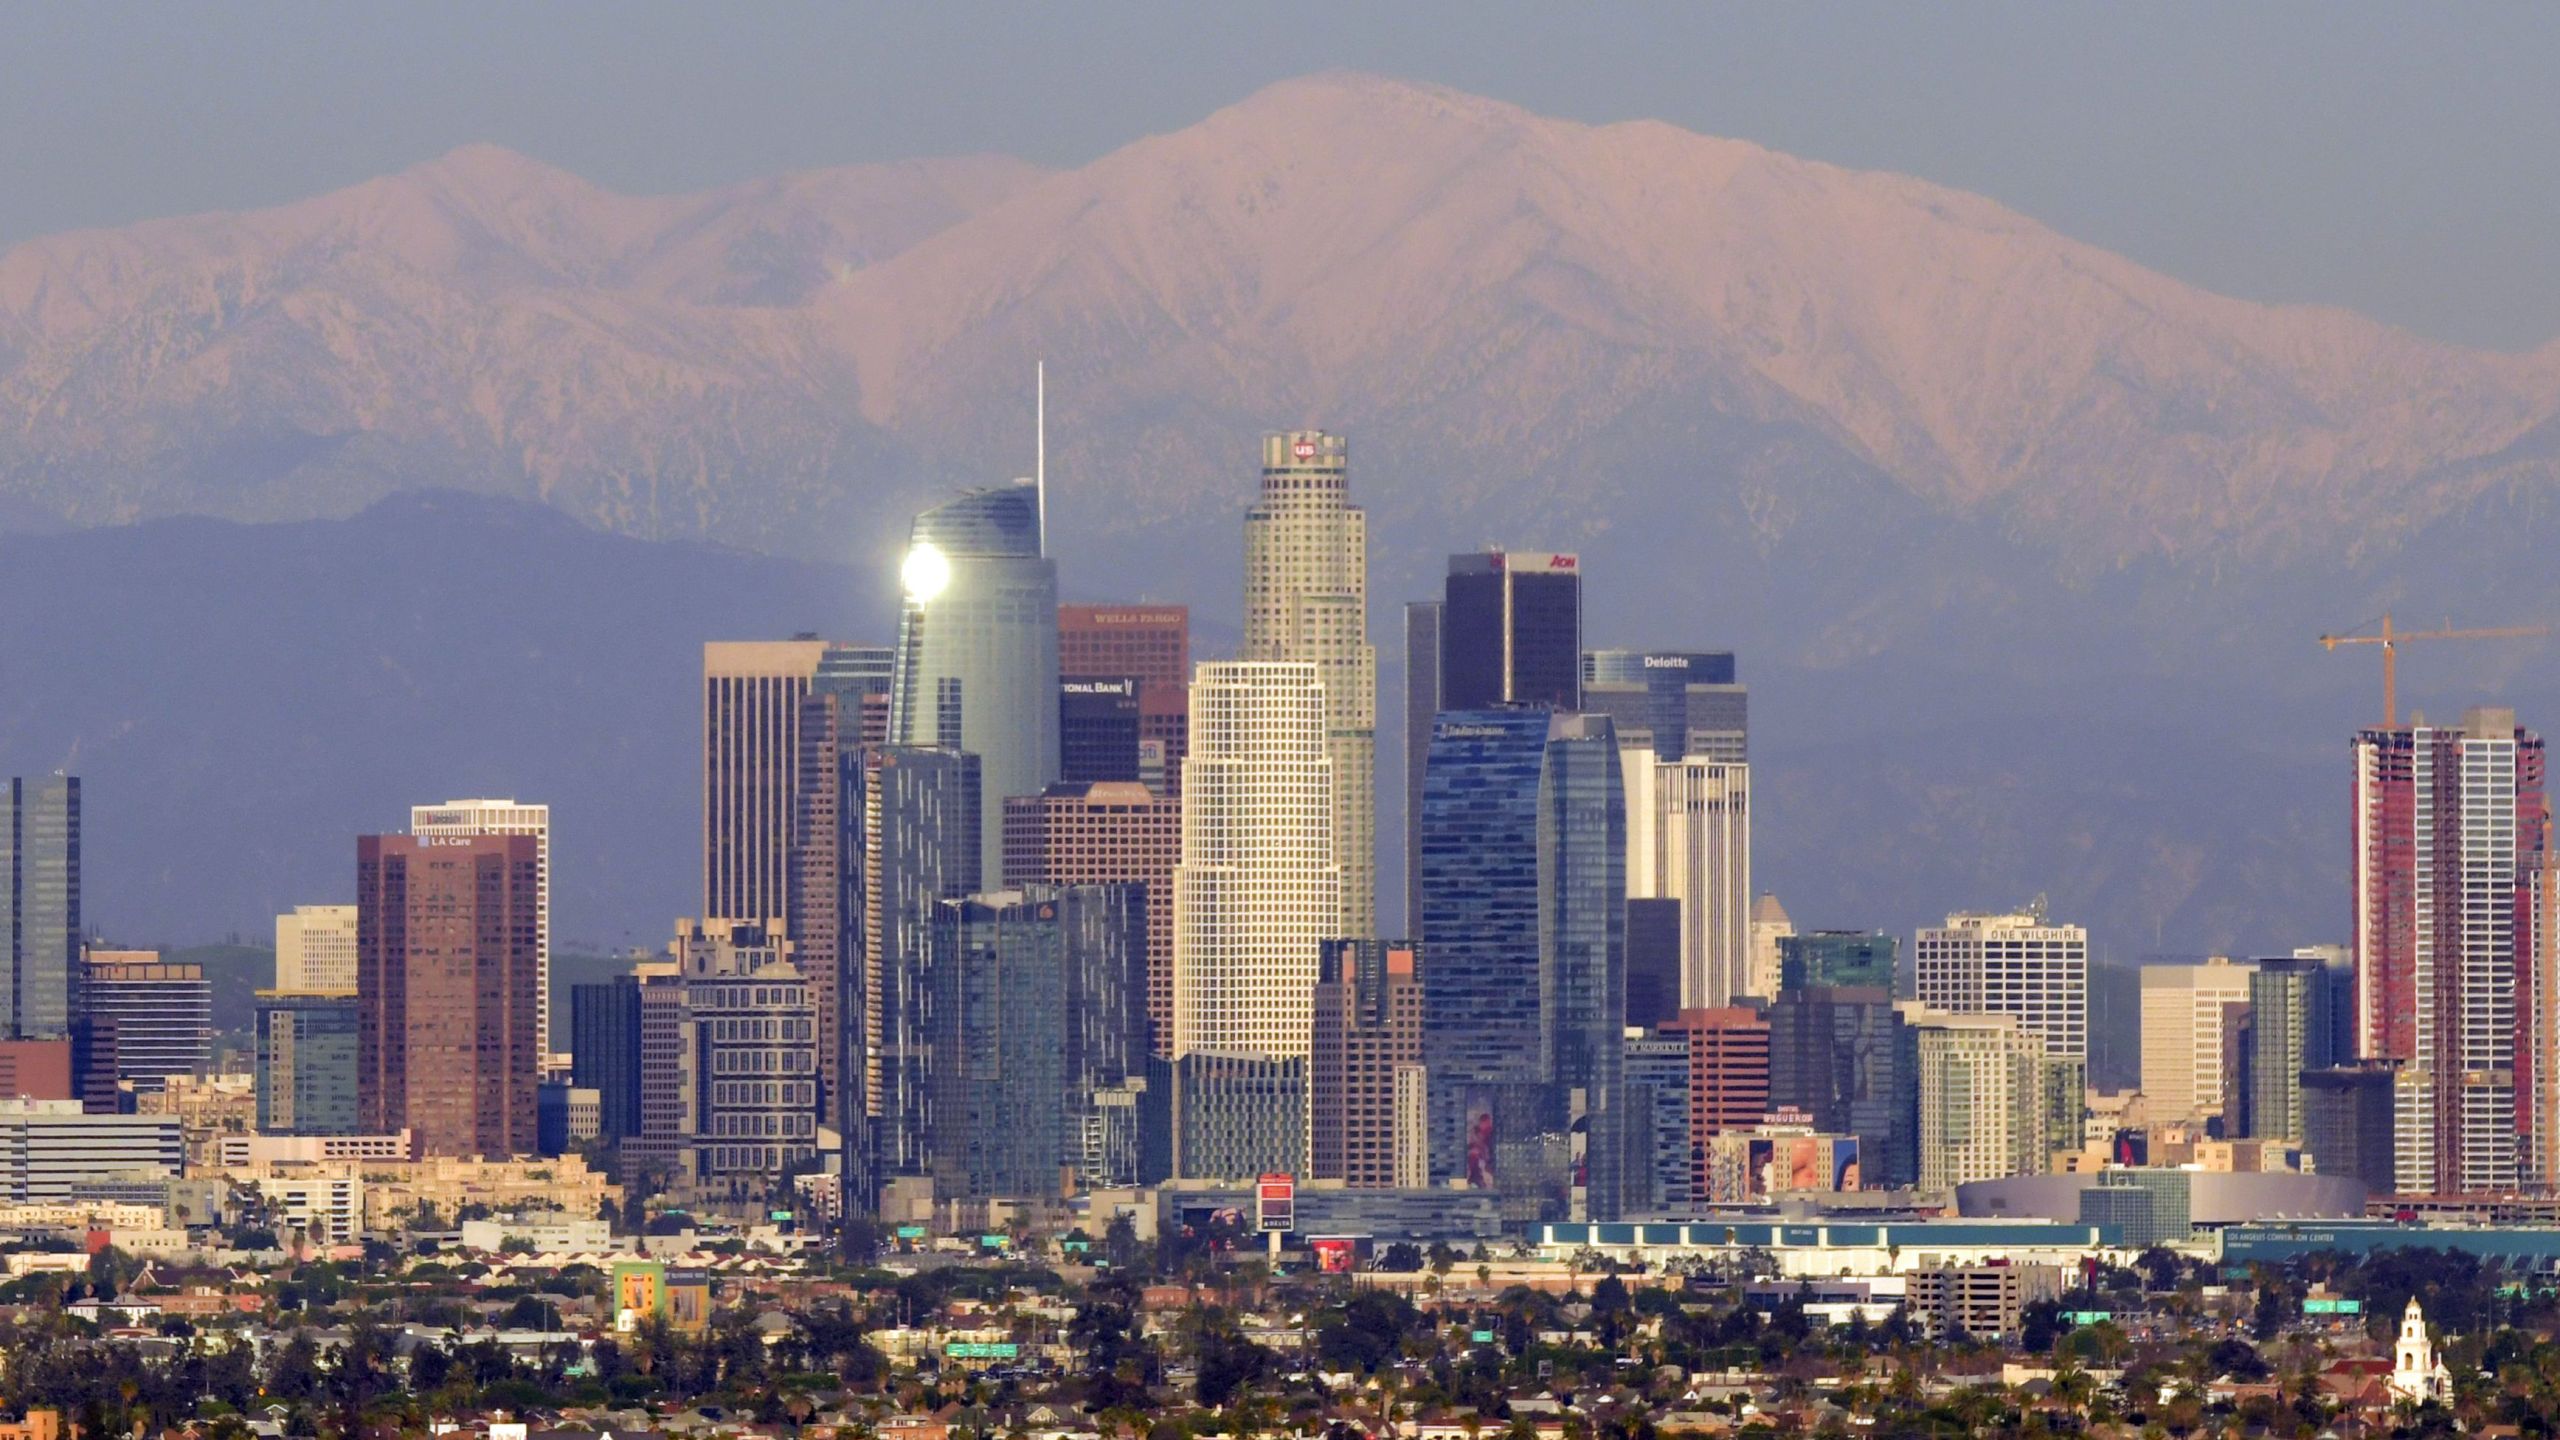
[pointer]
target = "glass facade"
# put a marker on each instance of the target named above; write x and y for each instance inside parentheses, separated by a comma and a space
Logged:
(307, 1065)
(39, 904)
(604, 1031)
(1098, 729)
(1524, 924)
(1681, 704)
(1838, 958)
(1582, 946)
(2291, 1030)
(1512, 631)
(921, 828)
(977, 661)
(1039, 1022)
(1844, 1057)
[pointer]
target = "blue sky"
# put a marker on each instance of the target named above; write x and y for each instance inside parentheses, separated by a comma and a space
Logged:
(2400, 160)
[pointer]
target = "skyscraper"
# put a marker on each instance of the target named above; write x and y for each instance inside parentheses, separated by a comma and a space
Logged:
(1367, 1041)
(1307, 600)
(2289, 1002)
(1771, 928)
(1728, 1077)
(1037, 1013)
(2025, 966)
(39, 904)
(1653, 958)
(1843, 1056)
(922, 809)
(307, 1062)
(316, 950)
(1098, 729)
(1106, 835)
(1421, 708)
(1258, 885)
(977, 665)
(751, 714)
(846, 709)
(507, 817)
(162, 1013)
(1150, 642)
(1982, 1082)
(2449, 823)
(1674, 703)
(445, 957)
(1524, 932)
(1582, 948)
(1481, 904)
(2183, 1033)
(1689, 839)
(604, 1040)
(750, 1061)
(1511, 631)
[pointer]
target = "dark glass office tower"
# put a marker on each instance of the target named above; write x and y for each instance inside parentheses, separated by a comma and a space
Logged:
(977, 662)
(1524, 924)
(1653, 962)
(1421, 709)
(1843, 1056)
(1837, 958)
(1582, 947)
(1511, 631)
(1098, 729)
(1038, 1007)
(39, 905)
(1681, 704)
(604, 1056)
(1480, 896)
(921, 812)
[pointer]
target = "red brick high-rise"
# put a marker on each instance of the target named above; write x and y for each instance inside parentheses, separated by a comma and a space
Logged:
(1368, 1029)
(1150, 642)
(1728, 1076)
(1108, 834)
(446, 963)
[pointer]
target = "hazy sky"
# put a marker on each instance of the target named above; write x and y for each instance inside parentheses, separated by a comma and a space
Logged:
(2399, 159)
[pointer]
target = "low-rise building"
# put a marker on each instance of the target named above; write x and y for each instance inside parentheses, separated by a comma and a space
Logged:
(1986, 1301)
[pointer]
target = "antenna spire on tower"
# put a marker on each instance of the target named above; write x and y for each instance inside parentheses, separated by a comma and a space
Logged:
(1040, 446)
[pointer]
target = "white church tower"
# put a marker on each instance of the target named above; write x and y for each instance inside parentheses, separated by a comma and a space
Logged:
(2416, 1373)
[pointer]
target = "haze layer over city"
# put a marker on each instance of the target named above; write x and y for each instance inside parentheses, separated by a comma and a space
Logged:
(1727, 646)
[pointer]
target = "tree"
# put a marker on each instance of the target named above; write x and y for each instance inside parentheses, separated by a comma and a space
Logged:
(1401, 1258)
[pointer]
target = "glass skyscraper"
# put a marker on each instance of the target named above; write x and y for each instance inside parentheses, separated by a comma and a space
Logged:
(1038, 1009)
(1524, 930)
(977, 661)
(39, 904)
(921, 818)
(1582, 945)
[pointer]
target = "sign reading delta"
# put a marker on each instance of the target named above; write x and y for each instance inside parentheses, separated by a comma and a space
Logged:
(1275, 1199)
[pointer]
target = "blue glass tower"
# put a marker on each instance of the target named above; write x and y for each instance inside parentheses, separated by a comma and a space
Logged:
(1523, 899)
(977, 661)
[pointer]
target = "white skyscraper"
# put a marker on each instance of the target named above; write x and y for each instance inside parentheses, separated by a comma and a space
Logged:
(1689, 839)
(2186, 1022)
(1306, 598)
(2025, 966)
(463, 818)
(316, 950)
(1257, 887)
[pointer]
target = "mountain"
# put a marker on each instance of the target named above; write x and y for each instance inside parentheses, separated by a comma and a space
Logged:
(2023, 546)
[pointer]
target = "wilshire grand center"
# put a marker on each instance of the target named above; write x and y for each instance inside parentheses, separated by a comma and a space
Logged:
(977, 662)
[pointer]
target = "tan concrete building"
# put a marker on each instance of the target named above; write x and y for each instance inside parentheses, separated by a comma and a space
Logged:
(316, 950)
(1106, 834)
(2185, 1024)
(1306, 599)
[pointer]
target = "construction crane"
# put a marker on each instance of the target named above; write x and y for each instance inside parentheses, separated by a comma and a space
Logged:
(2391, 640)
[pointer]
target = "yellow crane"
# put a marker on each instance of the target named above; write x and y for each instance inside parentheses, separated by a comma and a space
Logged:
(2391, 640)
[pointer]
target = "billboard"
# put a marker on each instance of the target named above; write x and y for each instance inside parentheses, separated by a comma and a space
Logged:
(1275, 1201)
(1338, 1254)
